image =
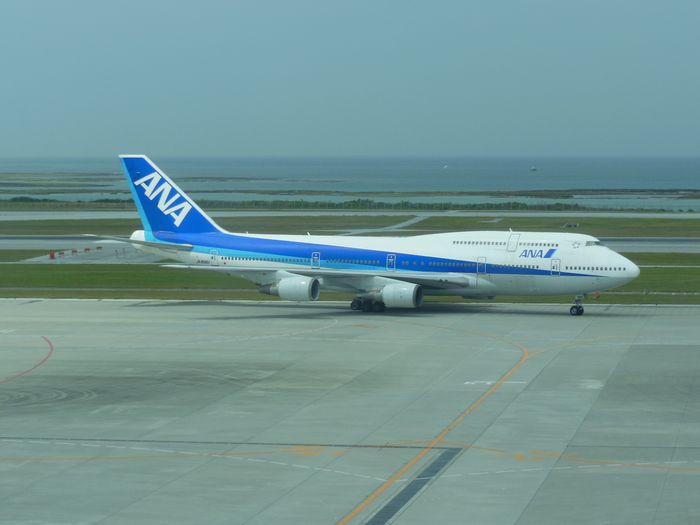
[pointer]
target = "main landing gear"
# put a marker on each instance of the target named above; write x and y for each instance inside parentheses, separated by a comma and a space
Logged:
(367, 305)
(577, 308)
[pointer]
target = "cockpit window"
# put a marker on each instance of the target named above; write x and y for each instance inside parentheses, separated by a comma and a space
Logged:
(594, 243)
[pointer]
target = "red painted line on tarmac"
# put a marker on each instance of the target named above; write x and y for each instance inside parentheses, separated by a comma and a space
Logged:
(37, 365)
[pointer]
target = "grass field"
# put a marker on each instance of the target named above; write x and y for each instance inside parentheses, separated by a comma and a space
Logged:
(665, 259)
(20, 255)
(154, 282)
(125, 276)
(665, 280)
(598, 227)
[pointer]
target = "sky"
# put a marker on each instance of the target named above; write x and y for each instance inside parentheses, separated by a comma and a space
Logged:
(299, 78)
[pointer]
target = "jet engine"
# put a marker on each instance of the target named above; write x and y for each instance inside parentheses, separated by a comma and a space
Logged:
(295, 289)
(402, 295)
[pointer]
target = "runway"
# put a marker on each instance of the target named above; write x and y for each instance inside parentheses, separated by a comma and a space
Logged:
(245, 412)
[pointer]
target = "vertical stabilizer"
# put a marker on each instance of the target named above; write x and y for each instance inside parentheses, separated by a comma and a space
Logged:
(162, 205)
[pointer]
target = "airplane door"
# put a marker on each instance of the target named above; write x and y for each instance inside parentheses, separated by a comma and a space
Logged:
(316, 260)
(556, 267)
(391, 261)
(213, 257)
(513, 241)
(480, 268)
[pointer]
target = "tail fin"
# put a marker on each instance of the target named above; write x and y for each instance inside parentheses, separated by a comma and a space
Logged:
(162, 205)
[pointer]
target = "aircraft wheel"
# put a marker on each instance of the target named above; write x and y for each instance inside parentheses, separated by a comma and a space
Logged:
(576, 309)
(356, 304)
(378, 307)
(366, 306)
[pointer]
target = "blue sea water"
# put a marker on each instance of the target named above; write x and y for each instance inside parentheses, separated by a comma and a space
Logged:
(409, 174)
(203, 177)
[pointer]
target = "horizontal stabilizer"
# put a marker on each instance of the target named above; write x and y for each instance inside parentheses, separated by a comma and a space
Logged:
(159, 245)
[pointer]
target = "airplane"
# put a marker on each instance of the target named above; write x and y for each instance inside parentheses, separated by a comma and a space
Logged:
(383, 272)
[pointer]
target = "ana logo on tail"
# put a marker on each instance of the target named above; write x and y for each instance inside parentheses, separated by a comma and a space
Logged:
(153, 188)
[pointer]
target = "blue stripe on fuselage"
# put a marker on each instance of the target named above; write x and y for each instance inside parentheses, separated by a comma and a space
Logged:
(337, 257)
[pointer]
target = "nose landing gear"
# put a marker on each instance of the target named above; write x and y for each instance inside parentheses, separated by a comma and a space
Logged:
(577, 308)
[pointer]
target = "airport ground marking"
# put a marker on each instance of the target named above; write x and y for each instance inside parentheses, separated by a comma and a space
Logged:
(584, 342)
(678, 467)
(36, 365)
(161, 453)
(489, 383)
(440, 438)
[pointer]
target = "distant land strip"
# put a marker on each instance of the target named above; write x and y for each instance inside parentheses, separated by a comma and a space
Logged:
(32, 203)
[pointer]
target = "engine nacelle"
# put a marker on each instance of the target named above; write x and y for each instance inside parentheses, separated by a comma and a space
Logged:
(295, 289)
(402, 295)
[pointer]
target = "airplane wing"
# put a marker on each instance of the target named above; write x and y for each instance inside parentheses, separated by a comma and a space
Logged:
(360, 280)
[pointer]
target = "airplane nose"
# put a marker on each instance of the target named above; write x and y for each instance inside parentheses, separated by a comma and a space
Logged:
(635, 269)
(632, 270)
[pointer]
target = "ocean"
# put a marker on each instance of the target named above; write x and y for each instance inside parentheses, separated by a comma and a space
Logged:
(219, 178)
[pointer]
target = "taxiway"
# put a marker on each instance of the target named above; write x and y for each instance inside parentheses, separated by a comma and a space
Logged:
(244, 412)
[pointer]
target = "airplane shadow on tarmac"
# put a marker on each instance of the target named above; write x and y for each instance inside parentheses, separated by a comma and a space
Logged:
(321, 310)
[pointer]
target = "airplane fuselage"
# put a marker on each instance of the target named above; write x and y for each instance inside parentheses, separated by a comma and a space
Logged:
(477, 263)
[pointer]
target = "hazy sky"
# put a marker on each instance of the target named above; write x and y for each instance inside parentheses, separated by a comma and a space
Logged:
(326, 78)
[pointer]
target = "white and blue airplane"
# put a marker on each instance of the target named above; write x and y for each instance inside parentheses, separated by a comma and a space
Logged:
(383, 272)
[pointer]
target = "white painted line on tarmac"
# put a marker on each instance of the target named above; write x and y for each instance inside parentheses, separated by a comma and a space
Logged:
(192, 453)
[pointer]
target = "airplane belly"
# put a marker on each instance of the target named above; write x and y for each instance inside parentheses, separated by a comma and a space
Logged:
(555, 285)
(516, 284)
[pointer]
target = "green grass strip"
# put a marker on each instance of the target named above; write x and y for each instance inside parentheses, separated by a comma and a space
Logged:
(126, 276)
(665, 259)
(596, 226)
(20, 255)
